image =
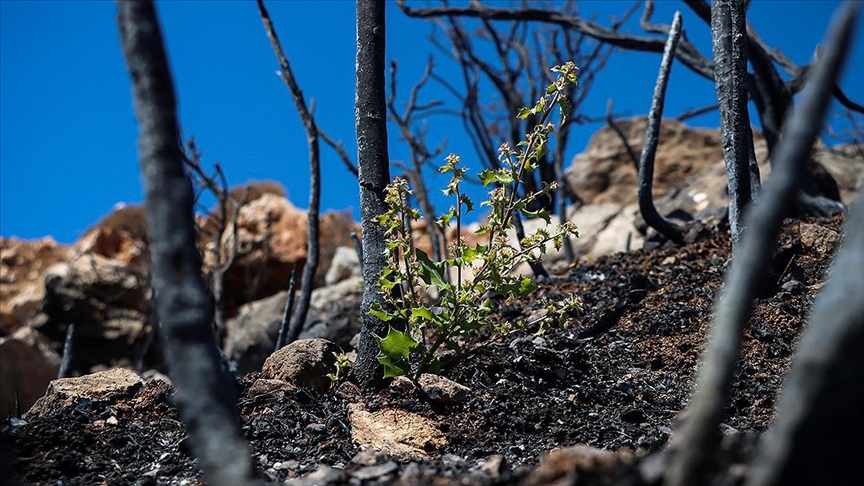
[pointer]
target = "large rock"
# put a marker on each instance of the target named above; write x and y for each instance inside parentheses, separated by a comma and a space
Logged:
(334, 314)
(604, 172)
(101, 386)
(108, 301)
(303, 364)
(27, 366)
(272, 238)
(22, 272)
(345, 264)
(846, 164)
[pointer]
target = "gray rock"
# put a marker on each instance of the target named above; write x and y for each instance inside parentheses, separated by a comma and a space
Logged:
(345, 265)
(334, 315)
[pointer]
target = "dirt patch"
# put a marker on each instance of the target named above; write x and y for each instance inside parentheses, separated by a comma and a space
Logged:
(615, 379)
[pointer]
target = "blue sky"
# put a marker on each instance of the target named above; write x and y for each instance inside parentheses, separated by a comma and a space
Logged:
(68, 133)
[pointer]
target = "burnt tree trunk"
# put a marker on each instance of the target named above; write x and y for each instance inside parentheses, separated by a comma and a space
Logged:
(373, 162)
(206, 396)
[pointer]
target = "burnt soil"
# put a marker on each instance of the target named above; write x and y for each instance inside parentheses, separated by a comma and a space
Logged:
(615, 379)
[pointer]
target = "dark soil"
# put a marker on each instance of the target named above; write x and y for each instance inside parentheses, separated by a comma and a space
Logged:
(615, 379)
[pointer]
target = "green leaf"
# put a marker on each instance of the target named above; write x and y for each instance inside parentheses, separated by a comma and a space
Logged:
(486, 177)
(397, 344)
(394, 368)
(524, 112)
(380, 313)
(423, 312)
(564, 108)
(431, 272)
(540, 213)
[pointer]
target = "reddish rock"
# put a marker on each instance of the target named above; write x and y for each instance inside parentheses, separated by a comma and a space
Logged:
(22, 272)
(27, 365)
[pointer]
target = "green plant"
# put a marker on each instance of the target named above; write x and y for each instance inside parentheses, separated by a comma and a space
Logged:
(343, 364)
(463, 307)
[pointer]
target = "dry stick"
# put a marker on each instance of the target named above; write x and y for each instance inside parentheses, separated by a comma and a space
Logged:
(313, 246)
(697, 440)
(730, 75)
(652, 135)
(68, 351)
(206, 397)
(694, 112)
(289, 309)
(822, 393)
(340, 150)
(373, 163)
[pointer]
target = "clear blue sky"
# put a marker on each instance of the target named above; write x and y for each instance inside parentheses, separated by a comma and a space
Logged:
(68, 133)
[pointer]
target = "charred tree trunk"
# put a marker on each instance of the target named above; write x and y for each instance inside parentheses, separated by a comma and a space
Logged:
(728, 29)
(206, 396)
(373, 161)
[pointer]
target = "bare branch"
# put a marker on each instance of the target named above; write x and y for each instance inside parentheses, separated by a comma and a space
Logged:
(730, 74)
(340, 150)
(652, 136)
(687, 53)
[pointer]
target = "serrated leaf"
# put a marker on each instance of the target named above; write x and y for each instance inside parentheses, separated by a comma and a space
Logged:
(431, 272)
(397, 344)
(524, 112)
(540, 213)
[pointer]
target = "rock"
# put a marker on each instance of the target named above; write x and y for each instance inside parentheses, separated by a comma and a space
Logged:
(303, 363)
(251, 336)
(272, 238)
(442, 390)
(264, 386)
(494, 466)
(604, 172)
(120, 236)
(101, 386)
(403, 435)
(22, 269)
(619, 234)
(585, 463)
(368, 456)
(324, 475)
(821, 239)
(846, 164)
(27, 365)
(109, 302)
(334, 314)
(345, 265)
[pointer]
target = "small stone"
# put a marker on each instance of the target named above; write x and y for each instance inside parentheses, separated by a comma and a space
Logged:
(316, 428)
(442, 390)
(823, 240)
(373, 472)
(112, 420)
(792, 286)
(495, 466)
(669, 260)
